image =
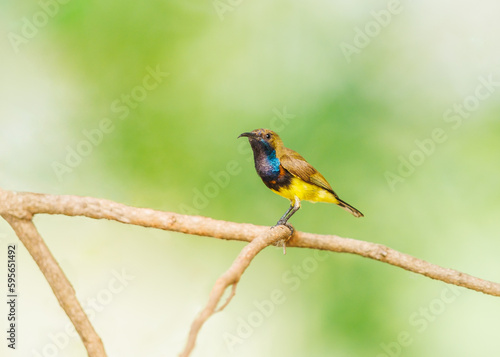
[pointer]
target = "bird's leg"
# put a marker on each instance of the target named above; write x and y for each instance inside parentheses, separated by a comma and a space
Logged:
(283, 218)
(294, 207)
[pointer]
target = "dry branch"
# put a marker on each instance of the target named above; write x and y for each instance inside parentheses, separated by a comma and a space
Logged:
(23, 206)
(231, 278)
(29, 236)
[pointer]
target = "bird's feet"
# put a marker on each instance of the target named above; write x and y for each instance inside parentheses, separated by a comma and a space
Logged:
(282, 242)
(284, 223)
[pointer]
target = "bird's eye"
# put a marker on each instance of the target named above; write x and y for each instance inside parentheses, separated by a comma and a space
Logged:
(268, 136)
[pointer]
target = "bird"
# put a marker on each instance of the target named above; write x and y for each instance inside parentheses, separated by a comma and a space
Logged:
(288, 174)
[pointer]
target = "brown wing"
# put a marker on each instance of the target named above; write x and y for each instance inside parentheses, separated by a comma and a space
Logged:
(299, 167)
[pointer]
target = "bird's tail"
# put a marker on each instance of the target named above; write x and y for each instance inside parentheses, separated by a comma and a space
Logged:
(349, 208)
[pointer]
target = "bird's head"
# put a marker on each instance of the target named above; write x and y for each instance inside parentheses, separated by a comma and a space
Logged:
(265, 137)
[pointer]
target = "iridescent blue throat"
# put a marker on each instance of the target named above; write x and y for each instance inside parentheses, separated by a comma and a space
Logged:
(266, 162)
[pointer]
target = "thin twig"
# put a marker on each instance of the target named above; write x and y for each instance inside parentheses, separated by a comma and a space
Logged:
(231, 278)
(29, 236)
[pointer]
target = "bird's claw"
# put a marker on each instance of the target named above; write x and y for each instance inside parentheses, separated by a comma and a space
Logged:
(288, 225)
(282, 242)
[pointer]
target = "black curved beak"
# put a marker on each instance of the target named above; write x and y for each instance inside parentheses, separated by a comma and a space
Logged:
(250, 135)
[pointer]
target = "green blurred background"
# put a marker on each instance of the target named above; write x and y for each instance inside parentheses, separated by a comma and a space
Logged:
(356, 88)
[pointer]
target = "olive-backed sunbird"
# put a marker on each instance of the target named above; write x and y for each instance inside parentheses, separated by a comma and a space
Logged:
(289, 175)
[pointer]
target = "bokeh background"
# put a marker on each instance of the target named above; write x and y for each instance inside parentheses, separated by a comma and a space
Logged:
(357, 88)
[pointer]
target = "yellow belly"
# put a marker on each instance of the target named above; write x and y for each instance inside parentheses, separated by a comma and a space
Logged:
(306, 191)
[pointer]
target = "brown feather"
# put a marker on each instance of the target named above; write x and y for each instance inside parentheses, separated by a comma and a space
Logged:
(295, 164)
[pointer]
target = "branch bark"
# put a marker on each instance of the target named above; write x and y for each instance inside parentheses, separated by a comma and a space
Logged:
(231, 278)
(23, 206)
(62, 288)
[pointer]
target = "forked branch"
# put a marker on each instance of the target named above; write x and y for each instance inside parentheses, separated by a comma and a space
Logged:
(20, 208)
(231, 278)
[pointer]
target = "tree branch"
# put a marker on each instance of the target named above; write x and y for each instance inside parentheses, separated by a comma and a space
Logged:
(29, 236)
(24, 205)
(231, 278)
